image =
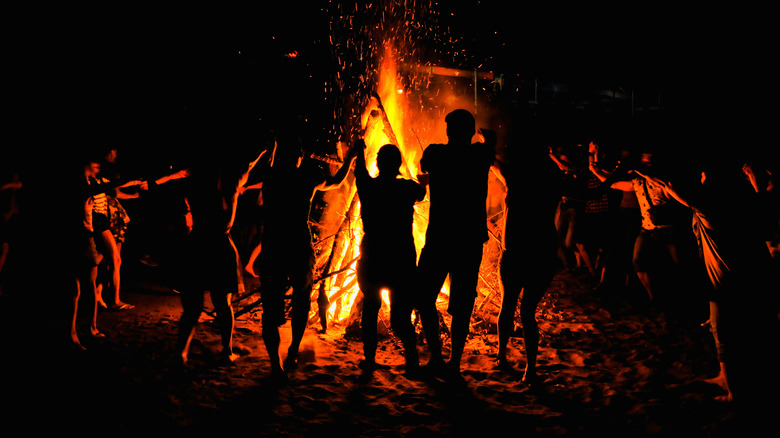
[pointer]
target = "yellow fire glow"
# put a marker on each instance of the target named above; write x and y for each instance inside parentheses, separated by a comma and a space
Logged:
(382, 122)
(390, 119)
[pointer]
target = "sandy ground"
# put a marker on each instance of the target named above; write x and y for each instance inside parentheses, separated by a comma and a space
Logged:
(610, 367)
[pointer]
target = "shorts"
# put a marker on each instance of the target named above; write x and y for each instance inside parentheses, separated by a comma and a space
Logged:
(100, 223)
(461, 261)
(91, 255)
(528, 269)
(595, 229)
(653, 247)
(284, 265)
(387, 263)
(209, 262)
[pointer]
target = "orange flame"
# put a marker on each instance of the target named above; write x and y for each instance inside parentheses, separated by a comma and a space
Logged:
(389, 119)
(382, 122)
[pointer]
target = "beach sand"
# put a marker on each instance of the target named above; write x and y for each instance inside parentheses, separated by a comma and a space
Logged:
(609, 367)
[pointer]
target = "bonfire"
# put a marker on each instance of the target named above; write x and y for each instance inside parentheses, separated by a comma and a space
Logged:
(402, 101)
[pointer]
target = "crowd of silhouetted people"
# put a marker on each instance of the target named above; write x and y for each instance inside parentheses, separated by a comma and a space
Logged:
(618, 215)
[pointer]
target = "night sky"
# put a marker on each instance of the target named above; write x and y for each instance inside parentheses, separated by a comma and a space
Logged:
(134, 77)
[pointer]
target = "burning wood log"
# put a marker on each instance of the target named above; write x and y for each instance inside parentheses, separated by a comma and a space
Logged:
(323, 302)
(387, 126)
(446, 71)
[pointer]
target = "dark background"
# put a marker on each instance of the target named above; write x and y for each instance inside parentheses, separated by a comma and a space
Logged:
(147, 79)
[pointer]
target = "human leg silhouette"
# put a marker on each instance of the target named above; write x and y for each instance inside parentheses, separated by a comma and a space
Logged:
(463, 292)
(226, 321)
(401, 324)
(371, 305)
(532, 295)
(272, 341)
(192, 307)
(506, 316)
(372, 302)
(302, 284)
(272, 291)
(114, 260)
(432, 274)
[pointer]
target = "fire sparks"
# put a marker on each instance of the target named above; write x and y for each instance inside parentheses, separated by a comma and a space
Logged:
(397, 99)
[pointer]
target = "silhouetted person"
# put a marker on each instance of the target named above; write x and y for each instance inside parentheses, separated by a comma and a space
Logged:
(209, 260)
(619, 270)
(457, 173)
(597, 224)
(530, 258)
(97, 222)
(54, 260)
(109, 270)
(658, 240)
(743, 304)
(287, 257)
(106, 193)
(571, 208)
(388, 258)
(82, 253)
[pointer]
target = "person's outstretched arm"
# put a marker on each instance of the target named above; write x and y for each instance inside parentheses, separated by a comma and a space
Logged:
(123, 195)
(361, 169)
(561, 165)
(184, 173)
(331, 182)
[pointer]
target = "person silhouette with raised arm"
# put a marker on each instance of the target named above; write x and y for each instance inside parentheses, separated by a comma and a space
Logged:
(287, 257)
(209, 259)
(388, 258)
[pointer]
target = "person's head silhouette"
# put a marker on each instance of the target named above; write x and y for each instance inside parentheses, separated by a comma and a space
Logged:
(388, 160)
(461, 125)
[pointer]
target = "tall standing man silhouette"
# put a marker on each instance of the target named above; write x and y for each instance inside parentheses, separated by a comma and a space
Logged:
(457, 176)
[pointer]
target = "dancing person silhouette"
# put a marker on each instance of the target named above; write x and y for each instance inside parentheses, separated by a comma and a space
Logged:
(209, 259)
(287, 257)
(737, 263)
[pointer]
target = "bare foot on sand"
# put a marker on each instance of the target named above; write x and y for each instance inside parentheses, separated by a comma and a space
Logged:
(530, 377)
(722, 383)
(718, 380)
(502, 363)
(291, 361)
(121, 306)
(230, 357)
(728, 398)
